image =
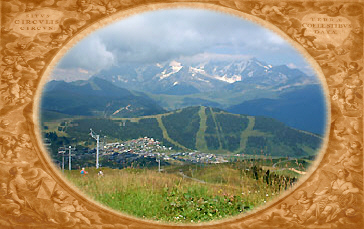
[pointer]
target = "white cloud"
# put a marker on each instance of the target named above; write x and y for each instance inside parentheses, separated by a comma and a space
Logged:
(90, 54)
(308, 70)
(70, 74)
(83, 71)
(274, 38)
(291, 65)
(166, 35)
(205, 57)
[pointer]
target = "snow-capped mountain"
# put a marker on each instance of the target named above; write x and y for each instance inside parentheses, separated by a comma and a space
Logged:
(178, 78)
(249, 87)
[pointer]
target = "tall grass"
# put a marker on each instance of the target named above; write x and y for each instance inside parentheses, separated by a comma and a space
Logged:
(168, 197)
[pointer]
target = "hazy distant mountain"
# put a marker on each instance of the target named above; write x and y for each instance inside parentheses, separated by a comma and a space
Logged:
(96, 97)
(303, 108)
(206, 129)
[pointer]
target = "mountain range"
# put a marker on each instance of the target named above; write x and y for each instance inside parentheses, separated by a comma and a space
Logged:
(249, 87)
(176, 78)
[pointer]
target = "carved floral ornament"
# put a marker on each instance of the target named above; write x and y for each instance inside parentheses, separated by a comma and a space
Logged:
(34, 34)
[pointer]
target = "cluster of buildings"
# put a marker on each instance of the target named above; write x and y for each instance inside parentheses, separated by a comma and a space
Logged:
(198, 157)
(148, 147)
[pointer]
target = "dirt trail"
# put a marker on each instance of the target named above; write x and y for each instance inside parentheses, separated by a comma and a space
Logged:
(185, 176)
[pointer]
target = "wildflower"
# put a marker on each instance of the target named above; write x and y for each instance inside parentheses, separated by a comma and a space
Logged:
(266, 194)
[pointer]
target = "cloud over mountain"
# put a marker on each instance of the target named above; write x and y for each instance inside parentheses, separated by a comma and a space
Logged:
(167, 35)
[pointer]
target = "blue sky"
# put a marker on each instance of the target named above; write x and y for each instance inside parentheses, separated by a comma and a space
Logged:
(178, 34)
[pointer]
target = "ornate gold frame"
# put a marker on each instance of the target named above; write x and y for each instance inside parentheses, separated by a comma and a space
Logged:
(30, 48)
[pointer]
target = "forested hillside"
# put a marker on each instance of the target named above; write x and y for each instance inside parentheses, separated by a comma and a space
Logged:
(95, 97)
(198, 128)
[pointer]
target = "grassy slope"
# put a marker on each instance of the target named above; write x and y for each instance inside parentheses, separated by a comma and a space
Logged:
(159, 196)
(169, 197)
(200, 136)
(218, 128)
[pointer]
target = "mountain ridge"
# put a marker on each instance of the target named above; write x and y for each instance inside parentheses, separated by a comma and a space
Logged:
(204, 129)
(96, 97)
(203, 76)
(295, 108)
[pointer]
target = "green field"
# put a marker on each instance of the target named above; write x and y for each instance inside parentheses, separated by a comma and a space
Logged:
(186, 193)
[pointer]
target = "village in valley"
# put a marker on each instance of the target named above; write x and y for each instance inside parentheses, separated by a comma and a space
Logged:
(148, 147)
(123, 153)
